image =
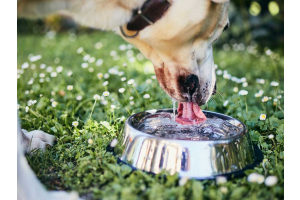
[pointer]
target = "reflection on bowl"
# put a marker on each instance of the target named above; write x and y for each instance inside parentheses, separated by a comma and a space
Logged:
(202, 159)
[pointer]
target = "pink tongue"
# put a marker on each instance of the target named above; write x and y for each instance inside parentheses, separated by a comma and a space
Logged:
(189, 113)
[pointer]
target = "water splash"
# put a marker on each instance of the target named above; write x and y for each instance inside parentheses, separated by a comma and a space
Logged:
(163, 125)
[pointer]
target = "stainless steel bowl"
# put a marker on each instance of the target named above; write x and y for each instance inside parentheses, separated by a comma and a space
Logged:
(195, 159)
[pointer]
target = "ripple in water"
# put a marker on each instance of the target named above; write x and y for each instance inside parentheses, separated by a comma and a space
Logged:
(214, 128)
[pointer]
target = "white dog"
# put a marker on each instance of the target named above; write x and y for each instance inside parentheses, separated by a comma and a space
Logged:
(176, 35)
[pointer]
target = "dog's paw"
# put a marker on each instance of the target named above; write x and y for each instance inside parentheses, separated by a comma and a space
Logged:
(62, 195)
(37, 140)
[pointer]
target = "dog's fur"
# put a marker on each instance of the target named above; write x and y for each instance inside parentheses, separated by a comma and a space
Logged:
(179, 45)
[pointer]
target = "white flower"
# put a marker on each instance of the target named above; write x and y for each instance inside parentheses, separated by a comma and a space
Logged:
(96, 97)
(132, 59)
(106, 93)
(153, 77)
(79, 50)
(90, 141)
(131, 97)
(122, 47)
(271, 136)
(243, 79)
(271, 180)
(129, 53)
(221, 180)
(42, 66)
(69, 73)
(183, 181)
(124, 64)
(92, 59)
(123, 79)
(100, 76)
(279, 96)
(235, 89)
(121, 73)
(258, 94)
(129, 46)
(243, 92)
(113, 71)
(75, 123)
(18, 106)
(260, 81)
(26, 109)
(70, 87)
(113, 143)
(106, 75)
(274, 83)
(265, 99)
(98, 45)
(42, 80)
(33, 66)
(91, 69)
(84, 65)
(99, 62)
(225, 103)
(105, 83)
(51, 100)
(131, 81)
(54, 104)
(113, 106)
(148, 81)
(49, 69)
(226, 76)
(131, 103)
(86, 57)
(146, 96)
(30, 82)
(268, 52)
(219, 72)
(18, 76)
(113, 53)
(59, 69)
(25, 65)
(26, 92)
(255, 178)
(245, 84)
(52, 93)
(121, 90)
(53, 74)
(78, 98)
(262, 116)
(223, 189)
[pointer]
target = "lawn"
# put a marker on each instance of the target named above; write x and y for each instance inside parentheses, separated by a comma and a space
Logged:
(79, 78)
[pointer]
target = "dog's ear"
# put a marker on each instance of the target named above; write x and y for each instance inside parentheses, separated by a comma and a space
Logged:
(220, 1)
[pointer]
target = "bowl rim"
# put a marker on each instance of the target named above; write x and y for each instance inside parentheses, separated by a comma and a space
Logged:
(242, 133)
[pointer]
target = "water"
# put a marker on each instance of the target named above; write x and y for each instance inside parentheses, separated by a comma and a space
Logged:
(164, 125)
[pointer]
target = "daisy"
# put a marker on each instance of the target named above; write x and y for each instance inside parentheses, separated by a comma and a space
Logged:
(130, 98)
(53, 74)
(106, 75)
(243, 79)
(70, 87)
(79, 50)
(113, 53)
(113, 71)
(245, 84)
(146, 96)
(113, 106)
(260, 81)
(96, 97)
(30, 82)
(59, 69)
(100, 76)
(265, 99)
(106, 93)
(219, 72)
(86, 57)
(91, 69)
(105, 83)
(123, 79)
(42, 66)
(243, 92)
(221, 180)
(226, 76)
(140, 56)
(129, 53)
(235, 89)
(132, 59)
(262, 116)
(148, 81)
(274, 83)
(75, 123)
(124, 64)
(271, 181)
(54, 104)
(121, 90)
(153, 77)
(104, 102)
(52, 93)
(33, 66)
(131, 103)
(26, 109)
(122, 47)
(223, 189)
(121, 73)
(41, 95)
(69, 73)
(84, 65)
(99, 62)
(49, 69)
(92, 59)
(271, 136)
(25, 65)
(279, 96)
(90, 141)
(78, 98)
(131, 81)
(42, 80)
(98, 45)
(113, 143)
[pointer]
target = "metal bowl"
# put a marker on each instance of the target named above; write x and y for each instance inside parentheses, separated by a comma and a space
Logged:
(195, 159)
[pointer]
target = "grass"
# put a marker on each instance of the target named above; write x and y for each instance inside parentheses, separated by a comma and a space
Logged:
(79, 161)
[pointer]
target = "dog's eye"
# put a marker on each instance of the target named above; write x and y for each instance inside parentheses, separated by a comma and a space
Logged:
(226, 27)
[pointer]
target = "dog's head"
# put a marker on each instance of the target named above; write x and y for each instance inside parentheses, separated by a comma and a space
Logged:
(180, 47)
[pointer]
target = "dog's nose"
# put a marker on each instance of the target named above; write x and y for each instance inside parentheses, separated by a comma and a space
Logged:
(191, 83)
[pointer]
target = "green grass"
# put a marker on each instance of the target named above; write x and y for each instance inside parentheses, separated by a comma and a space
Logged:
(79, 160)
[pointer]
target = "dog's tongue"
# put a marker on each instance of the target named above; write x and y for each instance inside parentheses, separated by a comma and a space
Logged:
(189, 113)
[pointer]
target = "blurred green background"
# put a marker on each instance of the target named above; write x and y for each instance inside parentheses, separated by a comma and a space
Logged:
(251, 22)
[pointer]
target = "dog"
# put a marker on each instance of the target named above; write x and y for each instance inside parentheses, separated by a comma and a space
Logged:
(176, 36)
